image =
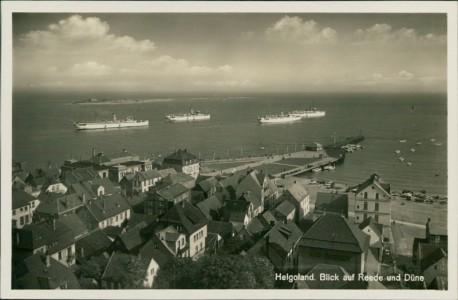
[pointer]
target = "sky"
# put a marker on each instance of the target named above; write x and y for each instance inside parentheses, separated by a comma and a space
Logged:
(224, 52)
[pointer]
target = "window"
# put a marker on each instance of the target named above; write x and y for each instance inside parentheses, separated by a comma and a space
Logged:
(376, 196)
(365, 216)
(60, 255)
(437, 239)
(365, 205)
(27, 219)
(21, 221)
(376, 218)
(69, 251)
(32, 203)
(14, 212)
(377, 206)
(365, 195)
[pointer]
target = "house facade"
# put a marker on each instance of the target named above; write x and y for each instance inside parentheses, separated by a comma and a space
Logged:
(23, 208)
(373, 199)
(182, 161)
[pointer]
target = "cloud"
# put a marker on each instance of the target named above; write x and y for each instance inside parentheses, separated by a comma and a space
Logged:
(90, 69)
(384, 33)
(84, 32)
(295, 30)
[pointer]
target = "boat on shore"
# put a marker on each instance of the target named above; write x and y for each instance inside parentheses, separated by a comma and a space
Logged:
(402, 141)
(311, 112)
(191, 116)
(277, 119)
(397, 151)
(412, 149)
(316, 170)
(329, 167)
(128, 122)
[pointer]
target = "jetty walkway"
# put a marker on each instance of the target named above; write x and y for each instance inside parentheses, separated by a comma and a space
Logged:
(280, 165)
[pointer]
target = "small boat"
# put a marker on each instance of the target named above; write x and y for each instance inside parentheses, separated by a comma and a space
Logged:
(409, 163)
(316, 170)
(262, 148)
(397, 151)
(402, 141)
(432, 140)
(419, 143)
(412, 149)
(191, 116)
(277, 119)
(401, 158)
(329, 167)
(438, 144)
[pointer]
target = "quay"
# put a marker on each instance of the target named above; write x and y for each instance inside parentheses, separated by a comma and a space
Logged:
(282, 165)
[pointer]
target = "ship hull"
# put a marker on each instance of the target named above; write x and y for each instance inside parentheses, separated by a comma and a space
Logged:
(278, 120)
(308, 114)
(188, 118)
(109, 125)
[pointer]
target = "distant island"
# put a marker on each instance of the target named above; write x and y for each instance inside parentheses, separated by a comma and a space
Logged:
(120, 101)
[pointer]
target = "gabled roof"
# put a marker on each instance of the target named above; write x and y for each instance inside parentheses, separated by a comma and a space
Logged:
(207, 184)
(36, 235)
(178, 178)
(72, 221)
(224, 229)
(297, 192)
(139, 220)
(285, 208)
(167, 172)
(210, 204)
(236, 211)
(250, 184)
(252, 198)
(172, 191)
(437, 228)
(256, 226)
(180, 156)
(107, 207)
(131, 238)
(186, 216)
(331, 203)
(432, 257)
(374, 179)
(40, 276)
(376, 227)
(55, 203)
(117, 265)
(89, 188)
(156, 250)
(147, 175)
(283, 236)
(335, 232)
(21, 199)
(79, 175)
(94, 243)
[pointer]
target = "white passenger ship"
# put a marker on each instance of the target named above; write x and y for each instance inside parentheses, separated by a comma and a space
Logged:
(192, 116)
(308, 113)
(114, 123)
(276, 119)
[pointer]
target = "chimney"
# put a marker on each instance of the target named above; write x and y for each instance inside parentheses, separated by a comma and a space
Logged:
(84, 198)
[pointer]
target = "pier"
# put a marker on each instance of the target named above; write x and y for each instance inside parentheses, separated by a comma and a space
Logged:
(282, 165)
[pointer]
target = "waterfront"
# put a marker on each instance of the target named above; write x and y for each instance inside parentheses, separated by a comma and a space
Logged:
(46, 123)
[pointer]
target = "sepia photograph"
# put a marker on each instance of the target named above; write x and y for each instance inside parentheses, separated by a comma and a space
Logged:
(282, 150)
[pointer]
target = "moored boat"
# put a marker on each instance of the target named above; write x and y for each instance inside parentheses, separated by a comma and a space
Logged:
(397, 151)
(276, 119)
(412, 149)
(402, 141)
(191, 116)
(401, 158)
(312, 112)
(128, 122)
(316, 170)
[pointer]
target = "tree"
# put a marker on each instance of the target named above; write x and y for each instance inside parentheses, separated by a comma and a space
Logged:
(134, 275)
(178, 273)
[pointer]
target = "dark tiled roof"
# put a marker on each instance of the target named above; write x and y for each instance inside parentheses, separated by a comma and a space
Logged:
(437, 228)
(167, 172)
(256, 226)
(172, 191)
(333, 203)
(41, 234)
(335, 232)
(79, 175)
(297, 191)
(235, 211)
(186, 215)
(376, 227)
(21, 199)
(178, 177)
(431, 254)
(285, 208)
(131, 238)
(147, 175)
(74, 222)
(224, 229)
(284, 235)
(375, 180)
(250, 184)
(180, 156)
(207, 184)
(136, 220)
(40, 276)
(94, 243)
(117, 265)
(107, 207)
(156, 250)
(252, 198)
(210, 204)
(113, 231)
(54, 203)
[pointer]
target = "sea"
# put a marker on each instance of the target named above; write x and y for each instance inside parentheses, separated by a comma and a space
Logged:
(43, 133)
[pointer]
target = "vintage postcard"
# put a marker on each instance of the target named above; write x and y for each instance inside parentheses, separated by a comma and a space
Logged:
(229, 150)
